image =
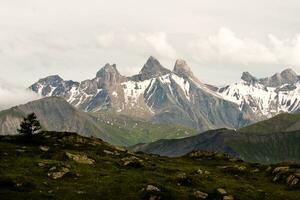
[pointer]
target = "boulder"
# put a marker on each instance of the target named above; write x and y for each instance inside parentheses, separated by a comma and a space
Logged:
(221, 191)
(281, 170)
(294, 182)
(200, 195)
(56, 174)
(203, 172)
(151, 188)
(131, 161)
(228, 197)
(108, 152)
(44, 148)
(82, 159)
(182, 179)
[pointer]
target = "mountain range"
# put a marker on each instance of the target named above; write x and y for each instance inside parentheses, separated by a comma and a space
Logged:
(267, 97)
(160, 95)
(156, 94)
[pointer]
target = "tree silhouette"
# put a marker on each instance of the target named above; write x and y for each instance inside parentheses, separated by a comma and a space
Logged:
(30, 125)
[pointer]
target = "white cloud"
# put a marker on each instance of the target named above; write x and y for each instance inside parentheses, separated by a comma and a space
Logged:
(286, 50)
(12, 95)
(226, 47)
(144, 44)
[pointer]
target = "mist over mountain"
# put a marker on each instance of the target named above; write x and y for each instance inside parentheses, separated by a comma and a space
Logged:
(12, 95)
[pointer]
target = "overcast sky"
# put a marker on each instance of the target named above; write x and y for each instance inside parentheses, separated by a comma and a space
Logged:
(219, 39)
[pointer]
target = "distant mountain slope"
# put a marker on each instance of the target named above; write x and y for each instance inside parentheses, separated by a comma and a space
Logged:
(268, 148)
(156, 94)
(56, 114)
(280, 123)
(213, 140)
(269, 141)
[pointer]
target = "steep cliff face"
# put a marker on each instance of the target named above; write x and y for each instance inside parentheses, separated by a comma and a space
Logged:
(156, 93)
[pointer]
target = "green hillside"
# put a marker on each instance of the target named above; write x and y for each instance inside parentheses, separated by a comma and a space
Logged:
(131, 131)
(280, 123)
(68, 166)
(55, 114)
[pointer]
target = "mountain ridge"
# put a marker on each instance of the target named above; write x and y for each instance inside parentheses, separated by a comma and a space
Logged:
(156, 94)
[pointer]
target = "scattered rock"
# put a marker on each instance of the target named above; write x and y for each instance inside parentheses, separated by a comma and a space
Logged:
(269, 169)
(182, 179)
(120, 149)
(255, 170)
(203, 172)
(221, 191)
(53, 168)
(108, 152)
(151, 188)
(58, 174)
(276, 178)
(241, 168)
(206, 172)
(44, 148)
(290, 178)
(281, 170)
(294, 182)
(83, 159)
(41, 164)
(229, 197)
(237, 169)
(154, 197)
(131, 162)
(200, 195)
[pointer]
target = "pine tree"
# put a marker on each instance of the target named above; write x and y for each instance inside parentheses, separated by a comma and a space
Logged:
(30, 125)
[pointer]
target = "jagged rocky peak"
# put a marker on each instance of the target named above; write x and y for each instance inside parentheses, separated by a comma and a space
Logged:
(247, 77)
(107, 69)
(287, 76)
(151, 69)
(181, 68)
(109, 74)
(51, 79)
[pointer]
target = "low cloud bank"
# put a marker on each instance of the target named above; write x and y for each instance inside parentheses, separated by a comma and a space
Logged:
(11, 95)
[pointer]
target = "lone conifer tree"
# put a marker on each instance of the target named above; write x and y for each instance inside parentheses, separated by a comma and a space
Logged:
(30, 125)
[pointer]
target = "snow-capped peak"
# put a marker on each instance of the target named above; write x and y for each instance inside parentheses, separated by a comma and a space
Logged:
(267, 96)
